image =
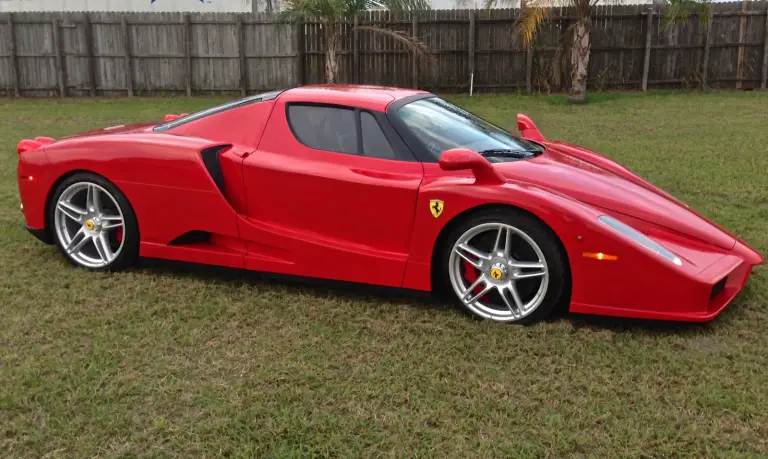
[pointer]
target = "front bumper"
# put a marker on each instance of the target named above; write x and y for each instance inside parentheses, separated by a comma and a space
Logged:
(699, 298)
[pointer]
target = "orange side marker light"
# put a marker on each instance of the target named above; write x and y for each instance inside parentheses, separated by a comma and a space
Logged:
(600, 256)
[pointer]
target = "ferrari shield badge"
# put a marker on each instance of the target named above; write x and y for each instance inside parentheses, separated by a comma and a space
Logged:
(436, 207)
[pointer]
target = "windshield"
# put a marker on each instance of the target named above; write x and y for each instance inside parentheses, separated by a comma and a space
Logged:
(443, 126)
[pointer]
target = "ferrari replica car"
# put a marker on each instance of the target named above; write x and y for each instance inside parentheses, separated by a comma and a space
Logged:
(384, 186)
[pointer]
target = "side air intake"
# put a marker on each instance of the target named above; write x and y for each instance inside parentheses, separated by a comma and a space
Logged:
(211, 161)
(191, 237)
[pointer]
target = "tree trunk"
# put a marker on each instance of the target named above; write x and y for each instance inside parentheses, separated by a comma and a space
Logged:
(580, 61)
(332, 53)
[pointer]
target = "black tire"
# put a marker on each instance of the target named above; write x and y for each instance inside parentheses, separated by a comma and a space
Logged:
(129, 251)
(558, 286)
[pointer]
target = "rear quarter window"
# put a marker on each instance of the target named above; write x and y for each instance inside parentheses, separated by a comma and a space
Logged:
(217, 109)
(324, 128)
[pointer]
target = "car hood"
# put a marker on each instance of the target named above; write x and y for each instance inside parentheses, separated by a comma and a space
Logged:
(599, 182)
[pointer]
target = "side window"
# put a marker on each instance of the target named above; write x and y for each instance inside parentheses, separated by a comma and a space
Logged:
(324, 128)
(375, 144)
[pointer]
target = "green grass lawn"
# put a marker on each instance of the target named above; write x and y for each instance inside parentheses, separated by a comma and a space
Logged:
(162, 361)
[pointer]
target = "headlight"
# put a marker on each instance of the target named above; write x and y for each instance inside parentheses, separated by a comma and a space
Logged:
(639, 238)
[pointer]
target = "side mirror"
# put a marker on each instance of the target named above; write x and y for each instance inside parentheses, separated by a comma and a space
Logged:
(528, 129)
(459, 159)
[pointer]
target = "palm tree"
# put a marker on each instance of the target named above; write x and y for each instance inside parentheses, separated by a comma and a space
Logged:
(577, 44)
(333, 13)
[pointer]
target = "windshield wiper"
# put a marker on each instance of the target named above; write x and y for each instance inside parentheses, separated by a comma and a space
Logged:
(509, 152)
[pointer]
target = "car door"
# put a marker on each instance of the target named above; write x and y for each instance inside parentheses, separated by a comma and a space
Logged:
(331, 193)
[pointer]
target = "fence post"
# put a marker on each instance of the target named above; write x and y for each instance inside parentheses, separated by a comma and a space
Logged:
(355, 50)
(241, 53)
(414, 57)
(127, 53)
(647, 61)
(60, 72)
(14, 64)
(471, 56)
(764, 81)
(299, 39)
(187, 32)
(705, 57)
(89, 53)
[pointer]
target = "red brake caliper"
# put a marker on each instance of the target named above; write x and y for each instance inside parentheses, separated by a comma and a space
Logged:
(470, 274)
(119, 235)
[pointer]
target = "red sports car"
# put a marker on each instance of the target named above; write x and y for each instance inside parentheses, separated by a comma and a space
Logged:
(385, 186)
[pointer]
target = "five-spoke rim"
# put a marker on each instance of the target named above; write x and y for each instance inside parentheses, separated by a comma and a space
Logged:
(89, 224)
(498, 272)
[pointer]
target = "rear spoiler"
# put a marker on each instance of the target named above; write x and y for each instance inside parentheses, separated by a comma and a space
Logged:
(32, 144)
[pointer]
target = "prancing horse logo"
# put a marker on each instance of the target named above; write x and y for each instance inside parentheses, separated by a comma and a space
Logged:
(436, 207)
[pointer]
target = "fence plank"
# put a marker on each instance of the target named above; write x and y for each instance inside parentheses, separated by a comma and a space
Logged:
(187, 34)
(415, 57)
(127, 52)
(356, 50)
(764, 82)
(58, 59)
(740, 55)
(241, 54)
(90, 62)
(647, 60)
(471, 52)
(12, 57)
(300, 48)
(705, 57)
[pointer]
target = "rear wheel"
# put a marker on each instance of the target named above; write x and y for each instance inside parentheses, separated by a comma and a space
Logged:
(94, 225)
(505, 266)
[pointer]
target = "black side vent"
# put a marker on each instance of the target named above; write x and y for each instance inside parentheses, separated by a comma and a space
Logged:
(211, 160)
(718, 288)
(191, 237)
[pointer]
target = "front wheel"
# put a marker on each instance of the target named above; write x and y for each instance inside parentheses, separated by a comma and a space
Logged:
(505, 266)
(94, 225)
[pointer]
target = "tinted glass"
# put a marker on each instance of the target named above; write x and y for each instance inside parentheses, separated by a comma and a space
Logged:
(442, 126)
(324, 128)
(375, 144)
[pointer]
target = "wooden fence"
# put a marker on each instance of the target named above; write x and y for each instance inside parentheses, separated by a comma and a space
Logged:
(78, 54)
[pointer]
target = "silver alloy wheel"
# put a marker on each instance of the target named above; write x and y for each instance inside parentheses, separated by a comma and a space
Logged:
(89, 224)
(498, 271)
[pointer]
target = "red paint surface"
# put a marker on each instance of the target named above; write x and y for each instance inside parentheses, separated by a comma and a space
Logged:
(287, 208)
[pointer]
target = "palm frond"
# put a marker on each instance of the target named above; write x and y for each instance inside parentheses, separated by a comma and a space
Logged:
(678, 12)
(535, 12)
(413, 44)
(398, 6)
(530, 21)
(330, 11)
(488, 4)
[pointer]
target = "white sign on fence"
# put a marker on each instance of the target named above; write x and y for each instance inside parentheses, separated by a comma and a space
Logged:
(201, 6)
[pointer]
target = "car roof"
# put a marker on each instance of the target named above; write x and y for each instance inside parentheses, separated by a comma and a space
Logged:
(370, 97)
